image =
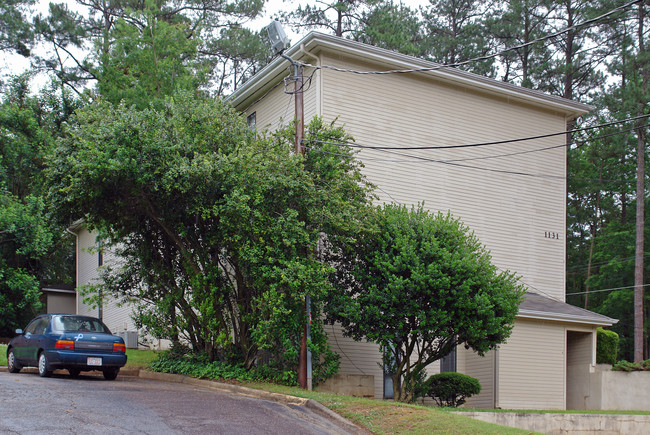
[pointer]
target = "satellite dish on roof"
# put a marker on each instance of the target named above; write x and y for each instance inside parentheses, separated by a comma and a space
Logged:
(279, 39)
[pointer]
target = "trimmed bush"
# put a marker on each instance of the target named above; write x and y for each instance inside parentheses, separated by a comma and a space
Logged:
(625, 366)
(451, 388)
(606, 346)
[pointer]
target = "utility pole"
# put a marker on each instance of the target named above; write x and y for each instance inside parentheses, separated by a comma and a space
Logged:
(280, 42)
(300, 149)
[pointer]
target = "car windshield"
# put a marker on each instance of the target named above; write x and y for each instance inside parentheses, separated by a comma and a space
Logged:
(78, 323)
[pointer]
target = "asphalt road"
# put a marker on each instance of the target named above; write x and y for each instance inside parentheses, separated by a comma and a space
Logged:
(90, 405)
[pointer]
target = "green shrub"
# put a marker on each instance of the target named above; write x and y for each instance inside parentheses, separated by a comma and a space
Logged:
(626, 366)
(606, 346)
(198, 366)
(451, 388)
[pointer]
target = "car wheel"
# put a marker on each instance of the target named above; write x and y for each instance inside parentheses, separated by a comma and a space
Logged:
(74, 372)
(111, 373)
(44, 370)
(12, 364)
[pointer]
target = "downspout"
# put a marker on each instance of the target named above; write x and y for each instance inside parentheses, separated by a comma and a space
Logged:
(496, 378)
(76, 268)
(319, 95)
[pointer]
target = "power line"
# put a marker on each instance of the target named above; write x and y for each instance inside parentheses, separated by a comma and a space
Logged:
(629, 287)
(452, 163)
(480, 58)
(481, 144)
(583, 266)
(579, 143)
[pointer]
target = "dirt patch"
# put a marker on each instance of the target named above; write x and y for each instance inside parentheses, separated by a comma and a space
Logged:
(382, 418)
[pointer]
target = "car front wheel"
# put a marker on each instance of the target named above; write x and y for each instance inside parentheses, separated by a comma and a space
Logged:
(12, 364)
(111, 373)
(74, 372)
(43, 367)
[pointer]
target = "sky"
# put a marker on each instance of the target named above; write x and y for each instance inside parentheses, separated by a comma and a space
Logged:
(16, 64)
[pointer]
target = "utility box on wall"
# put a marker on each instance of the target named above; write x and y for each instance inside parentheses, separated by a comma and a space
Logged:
(130, 338)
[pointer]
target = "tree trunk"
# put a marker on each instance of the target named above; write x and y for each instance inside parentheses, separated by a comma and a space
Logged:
(640, 200)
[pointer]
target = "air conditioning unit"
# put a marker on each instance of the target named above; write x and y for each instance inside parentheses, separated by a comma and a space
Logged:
(130, 338)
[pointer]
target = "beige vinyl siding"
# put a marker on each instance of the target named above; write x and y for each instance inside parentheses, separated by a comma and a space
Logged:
(532, 367)
(115, 317)
(580, 346)
(277, 109)
(60, 303)
(483, 369)
(509, 213)
(86, 268)
(357, 357)
(580, 355)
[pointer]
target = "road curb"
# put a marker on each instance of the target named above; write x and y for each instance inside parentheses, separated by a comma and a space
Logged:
(285, 399)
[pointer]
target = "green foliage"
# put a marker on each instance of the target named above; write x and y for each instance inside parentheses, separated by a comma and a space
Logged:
(199, 366)
(456, 32)
(216, 229)
(393, 27)
(339, 17)
(33, 250)
(148, 62)
(451, 388)
(606, 346)
(425, 279)
(16, 34)
(625, 366)
(144, 51)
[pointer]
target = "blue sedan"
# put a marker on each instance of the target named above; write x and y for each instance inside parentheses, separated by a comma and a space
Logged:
(62, 341)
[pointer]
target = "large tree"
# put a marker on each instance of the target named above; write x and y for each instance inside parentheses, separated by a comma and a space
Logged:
(420, 285)
(339, 17)
(390, 26)
(603, 172)
(217, 228)
(133, 49)
(456, 32)
(16, 33)
(34, 252)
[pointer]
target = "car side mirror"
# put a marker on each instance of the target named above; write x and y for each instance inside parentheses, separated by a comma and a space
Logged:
(19, 331)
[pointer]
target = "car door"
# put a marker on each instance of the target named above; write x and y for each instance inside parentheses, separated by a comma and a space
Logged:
(21, 343)
(34, 339)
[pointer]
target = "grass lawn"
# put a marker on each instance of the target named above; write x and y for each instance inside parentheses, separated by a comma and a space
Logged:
(140, 358)
(135, 358)
(384, 417)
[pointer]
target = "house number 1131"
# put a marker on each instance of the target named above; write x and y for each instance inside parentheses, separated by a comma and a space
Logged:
(551, 235)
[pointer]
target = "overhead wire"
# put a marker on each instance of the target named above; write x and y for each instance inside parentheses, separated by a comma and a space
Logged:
(628, 287)
(579, 143)
(485, 57)
(482, 144)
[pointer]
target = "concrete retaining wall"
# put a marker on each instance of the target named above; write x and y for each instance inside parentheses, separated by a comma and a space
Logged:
(618, 390)
(605, 424)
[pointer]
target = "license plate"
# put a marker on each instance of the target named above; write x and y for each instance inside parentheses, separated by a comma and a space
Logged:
(94, 361)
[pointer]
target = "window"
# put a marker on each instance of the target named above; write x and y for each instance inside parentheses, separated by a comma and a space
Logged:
(251, 121)
(38, 326)
(42, 325)
(78, 324)
(32, 326)
(448, 362)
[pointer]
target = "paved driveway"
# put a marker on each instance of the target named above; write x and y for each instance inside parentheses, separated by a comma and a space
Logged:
(90, 405)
